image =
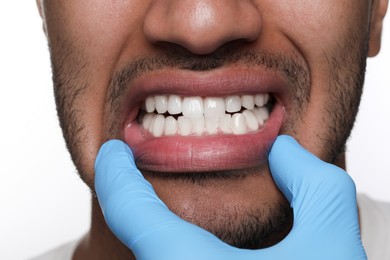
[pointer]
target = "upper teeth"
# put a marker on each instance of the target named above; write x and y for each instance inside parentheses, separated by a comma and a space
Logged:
(205, 115)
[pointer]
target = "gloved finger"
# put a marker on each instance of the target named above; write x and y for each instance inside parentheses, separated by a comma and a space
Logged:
(323, 198)
(296, 172)
(128, 201)
(138, 217)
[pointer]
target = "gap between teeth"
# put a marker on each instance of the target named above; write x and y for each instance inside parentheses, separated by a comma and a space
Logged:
(165, 115)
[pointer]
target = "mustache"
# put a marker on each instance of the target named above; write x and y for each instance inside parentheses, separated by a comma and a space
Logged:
(288, 65)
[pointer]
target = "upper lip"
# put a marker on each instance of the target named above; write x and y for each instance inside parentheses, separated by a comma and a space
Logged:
(214, 83)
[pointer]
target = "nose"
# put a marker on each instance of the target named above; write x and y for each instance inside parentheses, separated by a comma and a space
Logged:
(202, 26)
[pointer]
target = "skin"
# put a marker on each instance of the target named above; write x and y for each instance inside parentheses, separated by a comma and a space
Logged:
(91, 41)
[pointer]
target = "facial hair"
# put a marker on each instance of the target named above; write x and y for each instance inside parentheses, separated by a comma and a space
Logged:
(70, 76)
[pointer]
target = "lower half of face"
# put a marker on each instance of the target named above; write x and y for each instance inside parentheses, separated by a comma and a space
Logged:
(201, 126)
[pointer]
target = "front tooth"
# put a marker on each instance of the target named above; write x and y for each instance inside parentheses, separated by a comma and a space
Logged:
(251, 121)
(248, 101)
(158, 126)
(238, 124)
(150, 104)
(214, 107)
(225, 124)
(185, 126)
(174, 105)
(211, 125)
(161, 103)
(192, 107)
(170, 126)
(233, 104)
(197, 125)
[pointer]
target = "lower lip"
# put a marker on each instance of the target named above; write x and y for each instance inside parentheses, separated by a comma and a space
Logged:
(205, 153)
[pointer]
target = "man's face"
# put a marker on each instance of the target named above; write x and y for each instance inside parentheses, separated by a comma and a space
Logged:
(177, 81)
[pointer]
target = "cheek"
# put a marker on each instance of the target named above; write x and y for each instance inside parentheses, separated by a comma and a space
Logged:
(328, 35)
(85, 43)
(319, 29)
(319, 25)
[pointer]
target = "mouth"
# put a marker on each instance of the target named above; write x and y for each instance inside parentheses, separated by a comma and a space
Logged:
(187, 122)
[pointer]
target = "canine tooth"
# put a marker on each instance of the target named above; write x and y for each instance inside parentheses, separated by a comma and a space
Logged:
(174, 105)
(170, 126)
(248, 101)
(261, 115)
(265, 113)
(225, 124)
(185, 126)
(147, 119)
(158, 126)
(238, 124)
(266, 98)
(211, 124)
(150, 104)
(192, 107)
(161, 103)
(260, 100)
(152, 119)
(198, 125)
(233, 104)
(214, 107)
(251, 121)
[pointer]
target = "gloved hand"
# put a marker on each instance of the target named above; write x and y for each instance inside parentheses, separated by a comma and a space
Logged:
(323, 198)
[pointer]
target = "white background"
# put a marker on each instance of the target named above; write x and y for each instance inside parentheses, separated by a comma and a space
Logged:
(43, 203)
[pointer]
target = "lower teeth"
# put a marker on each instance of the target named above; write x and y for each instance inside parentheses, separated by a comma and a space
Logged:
(246, 121)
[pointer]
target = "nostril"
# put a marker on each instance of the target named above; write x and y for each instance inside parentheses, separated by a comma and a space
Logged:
(202, 27)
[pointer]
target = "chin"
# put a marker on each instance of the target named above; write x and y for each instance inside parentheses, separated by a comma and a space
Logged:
(242, 208)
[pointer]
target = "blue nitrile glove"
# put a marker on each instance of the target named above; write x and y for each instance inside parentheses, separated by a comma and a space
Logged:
(323, 198)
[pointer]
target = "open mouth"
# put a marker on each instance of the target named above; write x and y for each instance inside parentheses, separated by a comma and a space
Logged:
(217, 121)
(168, 115)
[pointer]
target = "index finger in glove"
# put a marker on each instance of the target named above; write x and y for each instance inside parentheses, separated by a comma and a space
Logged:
(139, 218)
(298, 172)
(128, 201)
